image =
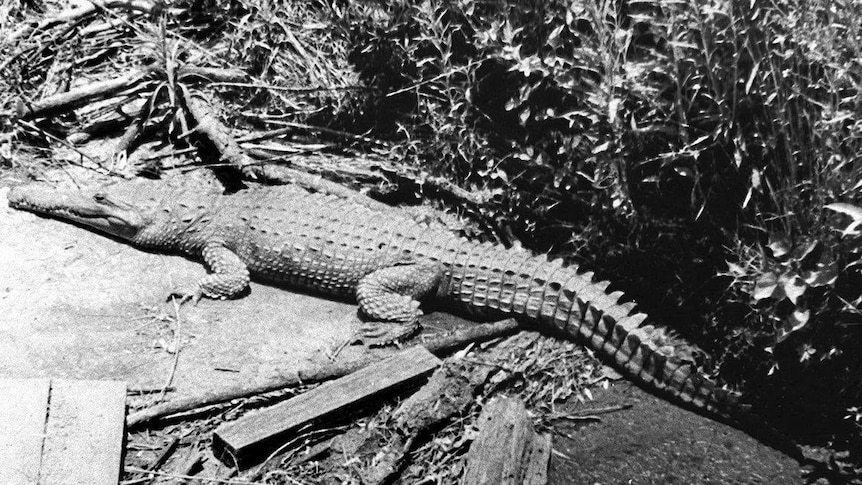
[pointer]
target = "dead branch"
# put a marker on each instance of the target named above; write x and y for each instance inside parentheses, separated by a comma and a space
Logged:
(209, 398)
(81, 95)
(291, 127)
(118, 119)
(473, 333)
(291, 89)
(211, 74)
(440, 345)
(95, 164)
(604, 410)
(78, 13)
(219, 135)
(130, 135)
(221, 138)
(406, 178)
(311, 175)
(356, 172)
(310, 172)
(450, 392)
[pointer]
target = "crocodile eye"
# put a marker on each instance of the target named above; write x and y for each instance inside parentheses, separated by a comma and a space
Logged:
(100, 197)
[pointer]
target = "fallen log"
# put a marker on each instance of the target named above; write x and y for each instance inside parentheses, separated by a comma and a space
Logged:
(449, 392)
(439, 345)
(374, 456)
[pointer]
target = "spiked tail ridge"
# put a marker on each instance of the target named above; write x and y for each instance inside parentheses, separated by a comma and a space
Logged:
(550, 292)
(583, 308)
(623, 335)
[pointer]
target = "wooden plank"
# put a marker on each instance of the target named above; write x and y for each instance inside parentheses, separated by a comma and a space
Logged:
(536, 472)
(23, 408)
(502, 453)
(84, 433)
(245, 438)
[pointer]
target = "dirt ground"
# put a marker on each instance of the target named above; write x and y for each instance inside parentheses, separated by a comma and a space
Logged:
(75, 304)
(78, 305)
(657, 442)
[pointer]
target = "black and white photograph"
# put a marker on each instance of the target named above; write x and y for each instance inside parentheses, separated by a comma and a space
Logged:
(433, 242)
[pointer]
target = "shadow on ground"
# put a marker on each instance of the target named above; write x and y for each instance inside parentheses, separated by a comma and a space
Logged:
(657, 442)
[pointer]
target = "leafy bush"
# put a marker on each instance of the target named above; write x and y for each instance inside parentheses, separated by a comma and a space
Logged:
(705, 155)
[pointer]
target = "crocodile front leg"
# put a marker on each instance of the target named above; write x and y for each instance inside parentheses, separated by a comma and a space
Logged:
(390, 298)
(229, 275)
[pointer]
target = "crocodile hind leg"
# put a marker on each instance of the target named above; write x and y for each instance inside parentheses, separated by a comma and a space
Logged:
(390, 299)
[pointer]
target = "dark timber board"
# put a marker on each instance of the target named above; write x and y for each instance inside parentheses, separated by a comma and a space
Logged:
(57, 432)
(259, 430)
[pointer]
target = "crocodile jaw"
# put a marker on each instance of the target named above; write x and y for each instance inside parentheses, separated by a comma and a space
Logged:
(97, 211)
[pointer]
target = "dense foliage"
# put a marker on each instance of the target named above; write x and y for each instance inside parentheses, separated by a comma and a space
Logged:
(705, 155)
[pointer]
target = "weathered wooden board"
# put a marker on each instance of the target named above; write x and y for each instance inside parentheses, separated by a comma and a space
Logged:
(23, 407)
(536, 470)
(507, 450)
(246, 438)
(58, 432)
(83, 435)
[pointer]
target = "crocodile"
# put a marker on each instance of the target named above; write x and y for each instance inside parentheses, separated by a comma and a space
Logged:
(389, 263)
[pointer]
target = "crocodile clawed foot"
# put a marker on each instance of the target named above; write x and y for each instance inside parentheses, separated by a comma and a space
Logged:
(381, 334)
(185, 296)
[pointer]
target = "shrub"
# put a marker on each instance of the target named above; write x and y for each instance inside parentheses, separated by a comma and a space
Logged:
(703, 154)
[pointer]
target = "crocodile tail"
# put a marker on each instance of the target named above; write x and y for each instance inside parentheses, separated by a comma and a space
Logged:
(579, 306)
(650, 355)
(494, 281)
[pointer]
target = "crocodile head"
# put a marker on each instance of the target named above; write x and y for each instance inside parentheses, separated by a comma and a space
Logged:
(97, 210)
